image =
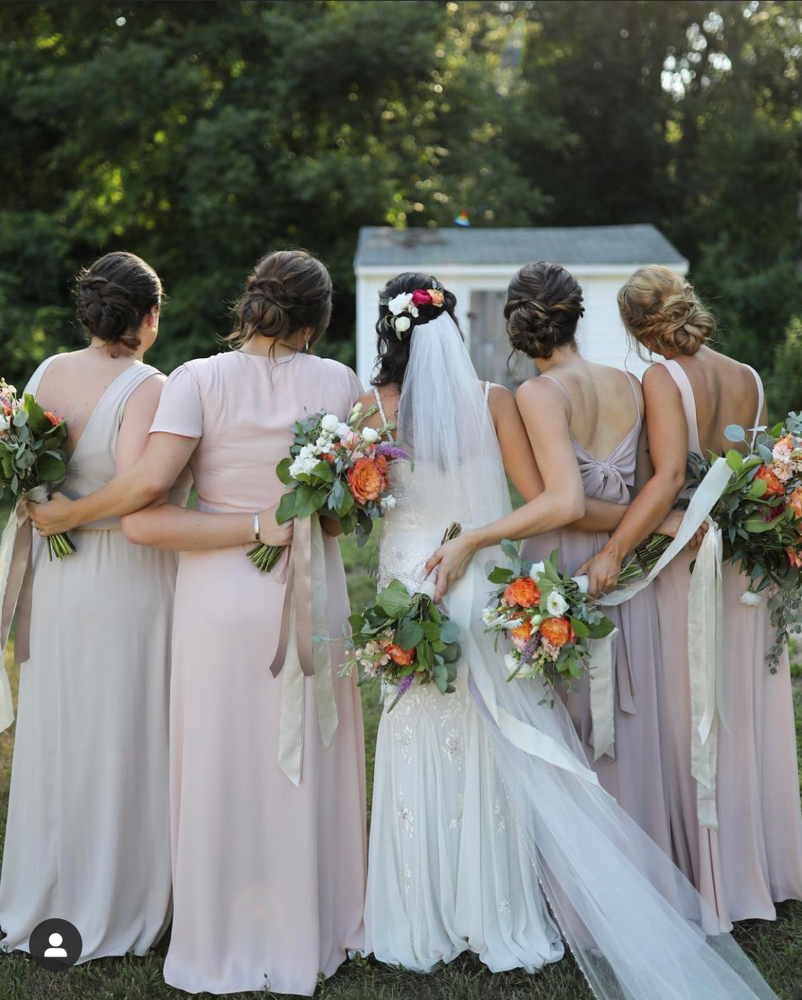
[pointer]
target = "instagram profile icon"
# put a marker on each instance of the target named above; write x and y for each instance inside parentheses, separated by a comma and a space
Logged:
(55, 945)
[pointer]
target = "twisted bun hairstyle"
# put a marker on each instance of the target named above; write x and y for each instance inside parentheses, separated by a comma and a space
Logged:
(288, 291)
(661, 311)
(543, 308)
(393, 349)
(114, 295)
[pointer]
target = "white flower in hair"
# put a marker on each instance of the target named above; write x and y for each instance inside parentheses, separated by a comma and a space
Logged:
(401, 324)
(750, 599)
(402, 303)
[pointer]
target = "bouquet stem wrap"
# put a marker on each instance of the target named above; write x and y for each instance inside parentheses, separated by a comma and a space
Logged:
(16, 590)
(602, 695)
(298, 656)
(704, 637)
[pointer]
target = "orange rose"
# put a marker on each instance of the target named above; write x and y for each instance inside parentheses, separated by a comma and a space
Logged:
(54, 420)
(557, 630)
(524, 592)
(403, 657)
(795, 558)
(367, 478)
(522, 631)
(773, 484)
(436, 296)
(795, 501)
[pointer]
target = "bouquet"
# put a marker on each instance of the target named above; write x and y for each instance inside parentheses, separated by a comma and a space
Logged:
(334, 468)
(403, 637)
(31, 459)
(760, 517)
(546, 616)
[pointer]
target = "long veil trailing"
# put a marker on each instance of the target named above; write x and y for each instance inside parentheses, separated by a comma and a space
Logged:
(633, 921)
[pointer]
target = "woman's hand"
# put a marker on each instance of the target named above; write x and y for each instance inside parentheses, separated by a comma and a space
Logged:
(451, 560)
(52, 518)
(671, 526)
(271, 531)
(603, 571)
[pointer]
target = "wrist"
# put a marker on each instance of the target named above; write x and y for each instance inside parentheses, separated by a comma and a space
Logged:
(614, 549)
(473, 540)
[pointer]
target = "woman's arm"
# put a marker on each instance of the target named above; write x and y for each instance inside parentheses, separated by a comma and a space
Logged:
(668, 448)
(546, 417)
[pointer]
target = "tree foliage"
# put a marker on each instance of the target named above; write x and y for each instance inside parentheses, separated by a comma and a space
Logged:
(200, 134)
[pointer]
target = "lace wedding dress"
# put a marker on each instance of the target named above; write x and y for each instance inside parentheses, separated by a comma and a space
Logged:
(484, 807)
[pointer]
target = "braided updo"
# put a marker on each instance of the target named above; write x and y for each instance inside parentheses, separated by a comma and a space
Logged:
(543, 308)
(394, 348)
(114, 295)
(288, 291)
(663, 313)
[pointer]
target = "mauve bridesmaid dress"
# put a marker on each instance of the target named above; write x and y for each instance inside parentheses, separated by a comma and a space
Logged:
(268, 878)
(755, 857)
(632, 772)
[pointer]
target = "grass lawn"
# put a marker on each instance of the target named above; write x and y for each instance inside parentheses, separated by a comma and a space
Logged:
(775, 947)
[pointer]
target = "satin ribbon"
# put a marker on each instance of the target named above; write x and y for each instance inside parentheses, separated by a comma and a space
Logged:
(304, 649)
(705, 660)
(16, 590)
(602, 695)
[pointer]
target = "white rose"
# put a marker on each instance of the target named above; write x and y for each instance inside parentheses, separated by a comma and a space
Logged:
(5, 423)
(330, 423)
(401, 324)
(556, 604)
(537, 569)
(750, 599)
(400, 303)
(369, 435)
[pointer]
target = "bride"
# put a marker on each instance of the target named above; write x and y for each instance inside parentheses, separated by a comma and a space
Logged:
(483, 802)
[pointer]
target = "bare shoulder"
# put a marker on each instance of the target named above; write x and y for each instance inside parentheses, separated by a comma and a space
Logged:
(539, 393)
(657, 378)
(149, 390)
(501, 400)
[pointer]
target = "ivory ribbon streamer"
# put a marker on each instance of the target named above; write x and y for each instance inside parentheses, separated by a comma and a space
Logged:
(602, 706)
(518, 732)
(705, 636)
(602, 694)
(16, 591)
(298, 655)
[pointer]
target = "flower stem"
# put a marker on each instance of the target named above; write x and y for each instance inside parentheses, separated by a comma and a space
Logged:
(265, 557)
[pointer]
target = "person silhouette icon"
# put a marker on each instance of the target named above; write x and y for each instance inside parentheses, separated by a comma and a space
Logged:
(56, 951)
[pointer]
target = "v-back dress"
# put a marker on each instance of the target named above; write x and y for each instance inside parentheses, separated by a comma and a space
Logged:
(449, 869)
(88, 831)
(631, 771)
(755, 857)
(269, 877)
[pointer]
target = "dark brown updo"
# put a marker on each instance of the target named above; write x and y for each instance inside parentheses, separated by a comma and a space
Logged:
(543, 308)
(394, 348)
(662, 312)
(114, 295)
(288, 291)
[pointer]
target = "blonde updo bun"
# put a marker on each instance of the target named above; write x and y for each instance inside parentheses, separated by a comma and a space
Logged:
(663, 313)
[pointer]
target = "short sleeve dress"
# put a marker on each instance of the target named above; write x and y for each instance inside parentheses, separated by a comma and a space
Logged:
(268, 878)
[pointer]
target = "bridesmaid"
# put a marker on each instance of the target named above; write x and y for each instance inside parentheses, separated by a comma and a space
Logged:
(593, 415)
(755, 857)
(88, 836)
(268, 876)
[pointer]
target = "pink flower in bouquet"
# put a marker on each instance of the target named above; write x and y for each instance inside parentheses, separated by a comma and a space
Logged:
(351, 439)
(774, 513)
(521, 635)
(54, 420)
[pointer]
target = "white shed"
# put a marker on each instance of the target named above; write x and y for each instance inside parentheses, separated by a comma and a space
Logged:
(477, 264)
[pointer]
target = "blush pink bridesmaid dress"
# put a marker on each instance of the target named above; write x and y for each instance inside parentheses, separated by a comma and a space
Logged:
(755, 857)
(268, 878)
(632, 770)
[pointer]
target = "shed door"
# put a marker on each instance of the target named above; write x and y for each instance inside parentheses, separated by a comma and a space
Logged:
(489, 345)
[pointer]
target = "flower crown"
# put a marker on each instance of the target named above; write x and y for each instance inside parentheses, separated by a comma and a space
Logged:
(406, 304)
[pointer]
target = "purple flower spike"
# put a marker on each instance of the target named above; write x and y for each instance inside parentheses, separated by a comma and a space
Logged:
(530, 647)
(391, 452)
(403, 687)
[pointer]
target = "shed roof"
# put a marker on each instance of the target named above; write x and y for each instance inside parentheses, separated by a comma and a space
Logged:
(385, 246)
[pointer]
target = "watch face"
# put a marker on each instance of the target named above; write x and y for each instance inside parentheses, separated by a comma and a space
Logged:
(55, 945)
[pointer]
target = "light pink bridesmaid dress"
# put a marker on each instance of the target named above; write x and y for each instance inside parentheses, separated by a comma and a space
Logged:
(632, 771)
(755, 857)
(268, 878)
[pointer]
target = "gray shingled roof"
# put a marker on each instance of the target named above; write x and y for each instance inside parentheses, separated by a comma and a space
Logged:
(416, 247)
